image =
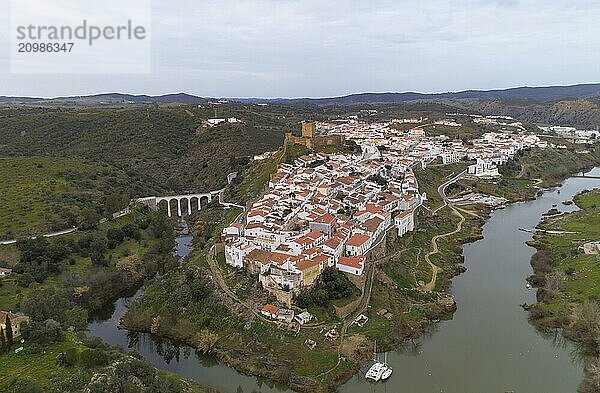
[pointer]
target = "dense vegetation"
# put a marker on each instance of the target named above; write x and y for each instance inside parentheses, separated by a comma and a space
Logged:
(331, 285)
(42, 194)
(168, 144)
(584, 112)
(107, 259)
(59, 282)
(568, 281)
(73, 364)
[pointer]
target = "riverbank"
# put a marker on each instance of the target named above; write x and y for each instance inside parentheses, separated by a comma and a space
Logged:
(567, 279)
(90, 270)
(260, 348)
(256, 347)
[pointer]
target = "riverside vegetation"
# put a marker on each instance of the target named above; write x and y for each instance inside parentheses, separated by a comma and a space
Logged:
(568, 281)
(58, 283)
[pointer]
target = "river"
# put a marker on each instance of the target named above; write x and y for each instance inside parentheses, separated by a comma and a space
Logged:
(488, 346)
(165, 354)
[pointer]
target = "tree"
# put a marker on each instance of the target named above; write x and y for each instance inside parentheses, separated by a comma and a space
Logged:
(76, 317)
(555, 282)
(131, 231)
(589, 317)
(48, 303)
(155, 328)
(114, 236)
(97, 249)
(89, 218)
(115, 202)
(3, 347)
(93, 358)
(9, 332)
(591, 382)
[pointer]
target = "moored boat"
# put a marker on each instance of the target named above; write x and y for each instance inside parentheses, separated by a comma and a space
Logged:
(376, 370)
(387, 370)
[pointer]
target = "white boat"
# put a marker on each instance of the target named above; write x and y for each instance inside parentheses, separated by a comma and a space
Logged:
(387, 370)
(376, 370)
(386, 373)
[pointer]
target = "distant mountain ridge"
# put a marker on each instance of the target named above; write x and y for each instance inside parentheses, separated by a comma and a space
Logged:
(533, 94)
(538, 94)
(109, 98)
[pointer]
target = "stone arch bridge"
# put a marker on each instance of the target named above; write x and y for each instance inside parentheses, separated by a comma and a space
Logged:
(189, 202)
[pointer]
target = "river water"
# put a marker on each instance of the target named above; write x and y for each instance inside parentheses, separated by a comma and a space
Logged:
(167, 355)
(488, 346)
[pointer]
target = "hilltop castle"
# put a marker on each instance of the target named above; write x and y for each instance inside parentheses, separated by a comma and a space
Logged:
(311, 140)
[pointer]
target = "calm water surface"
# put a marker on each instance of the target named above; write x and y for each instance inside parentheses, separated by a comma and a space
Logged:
(488, 346)
(166, 355)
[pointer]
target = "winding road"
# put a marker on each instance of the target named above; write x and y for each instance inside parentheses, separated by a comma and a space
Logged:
(53, 234)
(442, 190)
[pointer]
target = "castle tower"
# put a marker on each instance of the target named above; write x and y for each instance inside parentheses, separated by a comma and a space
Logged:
(308, 129)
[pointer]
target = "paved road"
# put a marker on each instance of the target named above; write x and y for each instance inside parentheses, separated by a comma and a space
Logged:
(63, 232)
(442, 190)
(227, 204)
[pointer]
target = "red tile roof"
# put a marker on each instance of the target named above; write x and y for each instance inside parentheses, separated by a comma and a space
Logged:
(356, 262)
(270, 309)
(325, 219)
(307, 264)
(358, 239)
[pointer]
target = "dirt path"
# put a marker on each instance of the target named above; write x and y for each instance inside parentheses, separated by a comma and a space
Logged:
(430, 286)
(218, 274)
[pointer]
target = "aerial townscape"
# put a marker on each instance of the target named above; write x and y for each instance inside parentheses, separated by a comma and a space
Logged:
(308, 262)
(299, 196)
(330, 210)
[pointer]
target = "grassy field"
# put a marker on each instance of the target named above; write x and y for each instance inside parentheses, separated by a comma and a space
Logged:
(582, 272)
(38, 366)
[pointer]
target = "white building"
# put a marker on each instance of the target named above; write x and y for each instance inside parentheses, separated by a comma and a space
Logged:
(214, 122)
(404, 222)
(353, 265)
(483, 169)
(358, 244)
(450, 157)
(236, 251)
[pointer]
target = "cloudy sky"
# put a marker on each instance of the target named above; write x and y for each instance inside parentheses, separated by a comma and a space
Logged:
(306, 48)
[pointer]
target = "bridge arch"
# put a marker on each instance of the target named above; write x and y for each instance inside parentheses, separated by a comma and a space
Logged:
(178, 204)
(204, 199)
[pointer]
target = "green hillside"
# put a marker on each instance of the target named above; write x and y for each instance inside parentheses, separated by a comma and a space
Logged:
(43, 194)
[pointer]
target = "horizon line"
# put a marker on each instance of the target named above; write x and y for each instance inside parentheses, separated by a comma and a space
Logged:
(341, 95)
